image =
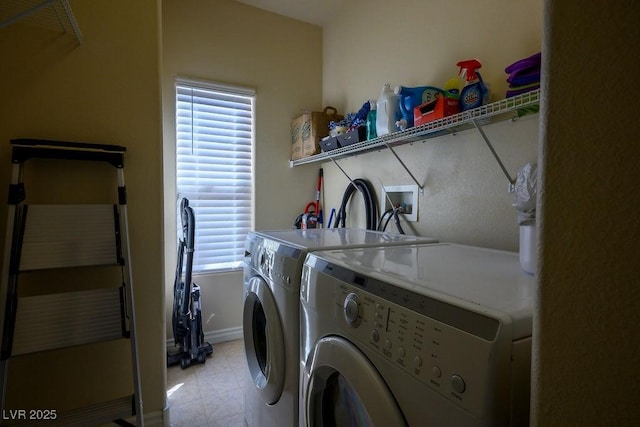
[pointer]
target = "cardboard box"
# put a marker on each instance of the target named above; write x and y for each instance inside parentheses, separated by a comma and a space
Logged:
(308, 129)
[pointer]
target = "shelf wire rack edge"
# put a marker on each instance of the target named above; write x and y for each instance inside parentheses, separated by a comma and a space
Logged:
(52, 14)
(465, 118)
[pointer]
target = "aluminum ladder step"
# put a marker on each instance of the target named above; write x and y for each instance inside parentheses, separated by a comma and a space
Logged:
(45, 237)
(58, 236)
(61, 320)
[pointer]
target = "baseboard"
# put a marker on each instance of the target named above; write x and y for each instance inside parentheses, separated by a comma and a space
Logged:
(153, 419)
(221, 335)
(157, 418)
(166, 417)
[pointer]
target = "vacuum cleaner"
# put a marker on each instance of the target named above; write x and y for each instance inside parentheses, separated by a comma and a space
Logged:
(187, 307)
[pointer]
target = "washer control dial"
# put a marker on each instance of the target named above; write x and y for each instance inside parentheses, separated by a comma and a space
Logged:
(351, 308)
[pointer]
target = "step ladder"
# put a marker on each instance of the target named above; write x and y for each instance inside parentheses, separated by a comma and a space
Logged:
(47, 237)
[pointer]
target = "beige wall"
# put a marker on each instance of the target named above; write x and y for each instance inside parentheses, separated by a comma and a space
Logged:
(106, 90)
(372, 43)
(228, 42)
(586, 344)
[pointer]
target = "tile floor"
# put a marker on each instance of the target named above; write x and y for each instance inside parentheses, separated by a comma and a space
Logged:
(211, 394)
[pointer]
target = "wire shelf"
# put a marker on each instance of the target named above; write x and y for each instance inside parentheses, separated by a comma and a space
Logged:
(505, 109)
(51, 14)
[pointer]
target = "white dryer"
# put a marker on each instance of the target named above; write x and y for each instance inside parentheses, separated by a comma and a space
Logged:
(271, 313)
(430, 335)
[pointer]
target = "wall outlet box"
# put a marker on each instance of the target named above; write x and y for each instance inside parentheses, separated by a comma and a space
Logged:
(395, 195)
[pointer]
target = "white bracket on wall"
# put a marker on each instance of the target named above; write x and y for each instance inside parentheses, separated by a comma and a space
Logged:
(512, 182)
(421, 187)
(404, 166)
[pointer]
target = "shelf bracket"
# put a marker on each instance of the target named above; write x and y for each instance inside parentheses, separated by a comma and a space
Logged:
(512, 182)
(421, 187)
(345, 173)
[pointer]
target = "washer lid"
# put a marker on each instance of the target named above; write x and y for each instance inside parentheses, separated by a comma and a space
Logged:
(336, 238)
(484, 280)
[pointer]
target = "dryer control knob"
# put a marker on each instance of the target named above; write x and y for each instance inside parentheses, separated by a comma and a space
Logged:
(351, 309)
(458, 384)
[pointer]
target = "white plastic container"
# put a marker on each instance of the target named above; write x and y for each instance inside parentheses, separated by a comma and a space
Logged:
(388, 111)
(529, 248)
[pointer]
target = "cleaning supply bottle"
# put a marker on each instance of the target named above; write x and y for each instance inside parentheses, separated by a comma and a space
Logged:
(371, 120)
(452, 95)
(410, 98)
(474, 93)
(388, 111)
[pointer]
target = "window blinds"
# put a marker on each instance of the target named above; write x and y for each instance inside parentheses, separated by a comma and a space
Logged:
(214, 140)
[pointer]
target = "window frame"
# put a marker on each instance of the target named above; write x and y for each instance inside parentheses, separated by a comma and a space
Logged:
(228, 90)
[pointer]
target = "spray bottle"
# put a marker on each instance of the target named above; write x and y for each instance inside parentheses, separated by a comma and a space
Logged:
(474, 93)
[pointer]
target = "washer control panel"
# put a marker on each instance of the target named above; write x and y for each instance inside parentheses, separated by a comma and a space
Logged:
(450, 360)
(273, 261)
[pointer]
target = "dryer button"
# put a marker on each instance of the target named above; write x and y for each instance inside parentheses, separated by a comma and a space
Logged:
(417, 362)
(387, 344)
(458, 384)
(401, 352)
(375, 335)
(436, 372)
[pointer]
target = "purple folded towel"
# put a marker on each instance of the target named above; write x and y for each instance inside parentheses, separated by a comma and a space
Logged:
(513, 91)
(530, 62)
(516, 79)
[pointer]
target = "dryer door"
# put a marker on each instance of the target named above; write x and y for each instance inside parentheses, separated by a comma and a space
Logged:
(263, 340)
(345, 389)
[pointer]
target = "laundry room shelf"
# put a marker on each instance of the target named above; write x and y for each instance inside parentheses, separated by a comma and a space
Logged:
(506, 109)
(52, 14)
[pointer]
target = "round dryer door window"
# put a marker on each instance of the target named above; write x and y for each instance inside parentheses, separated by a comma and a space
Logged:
(263, 340)
(345, 389)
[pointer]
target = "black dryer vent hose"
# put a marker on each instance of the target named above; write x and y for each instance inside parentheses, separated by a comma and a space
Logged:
(370, 204)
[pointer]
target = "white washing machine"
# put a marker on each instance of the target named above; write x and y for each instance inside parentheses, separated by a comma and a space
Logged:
(271, 316)
(429, 335)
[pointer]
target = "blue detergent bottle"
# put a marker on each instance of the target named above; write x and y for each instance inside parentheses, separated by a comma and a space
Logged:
(410, 98)
(474, 93)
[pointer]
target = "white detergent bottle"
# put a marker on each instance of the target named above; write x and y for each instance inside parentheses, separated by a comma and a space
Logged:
(388, 111)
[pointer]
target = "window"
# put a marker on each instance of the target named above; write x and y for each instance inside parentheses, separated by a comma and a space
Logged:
(214, 143)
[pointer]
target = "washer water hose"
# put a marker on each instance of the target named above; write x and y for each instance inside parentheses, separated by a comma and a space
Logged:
(393, 212)
(371, 207)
